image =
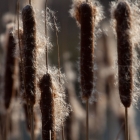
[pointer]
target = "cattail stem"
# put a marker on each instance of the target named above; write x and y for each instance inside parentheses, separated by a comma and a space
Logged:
(58, 58)
(87, 120)
(19, 32)
(126, 124)
(63, 132)
(15, 12)
(50, 135)
(30, 2)
(46, 34)
(58, 48)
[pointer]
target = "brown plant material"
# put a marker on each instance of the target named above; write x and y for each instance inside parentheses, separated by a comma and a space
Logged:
(87, 12)
(10, 70)
(29, 41)
(47, 107)
(25, 107)
(19, 33)
(124, 47)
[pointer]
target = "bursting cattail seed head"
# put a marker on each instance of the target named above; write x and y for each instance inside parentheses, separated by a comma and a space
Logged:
(122, 15)
(10, 70)
(88, 15)
(47, 107)
(86, 21)
(29, 41)
(86, 53)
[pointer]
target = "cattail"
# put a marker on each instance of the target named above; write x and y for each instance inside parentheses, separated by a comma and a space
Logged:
(124, 47)
(47, 107)
(10, 71)
(86, 14)
(29, 41)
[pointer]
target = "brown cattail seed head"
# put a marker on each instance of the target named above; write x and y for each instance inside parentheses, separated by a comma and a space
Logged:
(87, 13)
(47, 107)
(124, 47)
(10, 70)
(29, 41)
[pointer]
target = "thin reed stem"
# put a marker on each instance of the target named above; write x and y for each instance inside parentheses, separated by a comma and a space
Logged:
(18, 30)
(58, 50)
(58, 58)
(50, 135)
(15, 13)
(46, 35)
(30, 2)
(63, 132)
(126, 124)
(87, 120)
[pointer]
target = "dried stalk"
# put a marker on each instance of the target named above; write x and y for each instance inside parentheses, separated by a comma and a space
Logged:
(58, 58)
(126, 124)
(30, 2)
(87, 120)
(46, 35)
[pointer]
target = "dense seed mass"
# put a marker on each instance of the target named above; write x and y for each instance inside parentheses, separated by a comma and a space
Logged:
(47, 107)
(87, 48)
(124, 47)
(29, 41)
(10, 70)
